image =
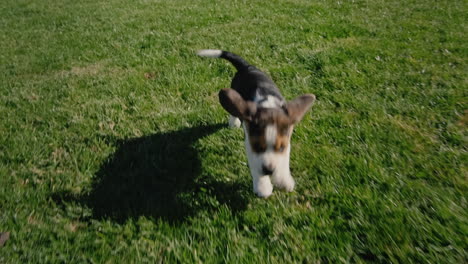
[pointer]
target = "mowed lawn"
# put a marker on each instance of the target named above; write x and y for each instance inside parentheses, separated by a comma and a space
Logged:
(115, 149)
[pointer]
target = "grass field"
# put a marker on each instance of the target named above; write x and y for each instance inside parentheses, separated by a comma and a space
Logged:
(114, 148)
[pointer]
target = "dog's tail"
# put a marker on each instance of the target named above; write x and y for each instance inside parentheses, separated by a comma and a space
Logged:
(236, 60)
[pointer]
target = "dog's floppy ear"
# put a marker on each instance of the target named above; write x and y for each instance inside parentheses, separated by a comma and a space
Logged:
(298, 107)
(233, 102)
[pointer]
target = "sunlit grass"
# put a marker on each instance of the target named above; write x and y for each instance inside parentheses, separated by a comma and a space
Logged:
(114, 148)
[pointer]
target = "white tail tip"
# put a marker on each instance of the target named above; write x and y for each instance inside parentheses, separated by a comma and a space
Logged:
(210, 53)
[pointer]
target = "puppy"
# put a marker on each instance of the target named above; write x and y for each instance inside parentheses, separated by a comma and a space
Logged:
(268, 121)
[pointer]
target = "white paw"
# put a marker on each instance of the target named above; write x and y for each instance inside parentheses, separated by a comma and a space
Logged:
(289, 184)
(284, 182)
(234, 122)
(263, 187)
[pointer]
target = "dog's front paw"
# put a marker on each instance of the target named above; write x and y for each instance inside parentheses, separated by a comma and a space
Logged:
(262, 193)
(263, 187)
(234, 122)
(284, 182)
(289, 184)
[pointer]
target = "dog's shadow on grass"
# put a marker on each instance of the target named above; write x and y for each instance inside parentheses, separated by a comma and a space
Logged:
(158, 176)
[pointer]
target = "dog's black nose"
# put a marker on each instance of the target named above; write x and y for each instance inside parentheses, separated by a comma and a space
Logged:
(267, 170)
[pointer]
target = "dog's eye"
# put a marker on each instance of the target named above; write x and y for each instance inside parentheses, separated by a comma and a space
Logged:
(281, 148)
(258, 147)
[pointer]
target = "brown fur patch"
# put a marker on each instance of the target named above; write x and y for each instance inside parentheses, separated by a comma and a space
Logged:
(232, 102)
(283, 137)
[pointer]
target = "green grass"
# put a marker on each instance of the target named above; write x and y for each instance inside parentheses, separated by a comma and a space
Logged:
(114, 148)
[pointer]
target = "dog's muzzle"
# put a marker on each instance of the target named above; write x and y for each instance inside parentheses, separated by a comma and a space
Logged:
(267, 170)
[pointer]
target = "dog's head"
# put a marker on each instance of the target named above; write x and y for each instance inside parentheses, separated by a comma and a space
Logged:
(268, 130)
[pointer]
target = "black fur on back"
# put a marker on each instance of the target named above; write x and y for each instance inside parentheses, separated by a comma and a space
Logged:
(250, 81)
